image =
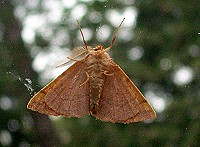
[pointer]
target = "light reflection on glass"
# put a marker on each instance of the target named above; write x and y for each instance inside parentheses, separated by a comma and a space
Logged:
(46, 62)
(165, 64)
(13, 125)
(115, 17)
(66, 136)
(5, 103)
(61, 38)
(95, 17)
(194, 50)
(135, 53)
(69, 4)
(24, 144)
(5, 138)
(103, 33)
(158, 103)
(157, 97)
(27, 122)
(125, 34)
(28, 35)
(75, 13)
(88, 34)
(183, 75)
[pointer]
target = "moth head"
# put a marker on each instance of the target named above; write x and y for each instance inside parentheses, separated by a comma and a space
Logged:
(96, 50)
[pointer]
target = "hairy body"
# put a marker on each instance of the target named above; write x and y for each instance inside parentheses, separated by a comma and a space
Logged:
(97, 63)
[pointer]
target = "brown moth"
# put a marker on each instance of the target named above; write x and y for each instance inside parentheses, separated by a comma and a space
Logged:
(93, 85)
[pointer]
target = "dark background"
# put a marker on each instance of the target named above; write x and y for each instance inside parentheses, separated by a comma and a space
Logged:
(160, 52)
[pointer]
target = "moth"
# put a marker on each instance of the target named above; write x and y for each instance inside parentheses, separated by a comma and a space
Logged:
(93, 85)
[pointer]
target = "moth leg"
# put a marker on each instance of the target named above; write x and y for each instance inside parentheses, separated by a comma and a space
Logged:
(86, 79)
(105, 72)
(72, 59)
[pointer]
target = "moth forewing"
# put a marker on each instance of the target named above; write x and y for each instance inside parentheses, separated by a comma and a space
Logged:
(64, 95)
(121, 101)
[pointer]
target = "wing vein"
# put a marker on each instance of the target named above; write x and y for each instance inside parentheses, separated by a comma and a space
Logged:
(125, 89)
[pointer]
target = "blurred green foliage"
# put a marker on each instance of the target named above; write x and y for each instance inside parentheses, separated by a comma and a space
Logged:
(166, 36)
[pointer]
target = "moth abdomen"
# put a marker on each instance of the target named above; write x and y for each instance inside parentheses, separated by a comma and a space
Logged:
(95, 87)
